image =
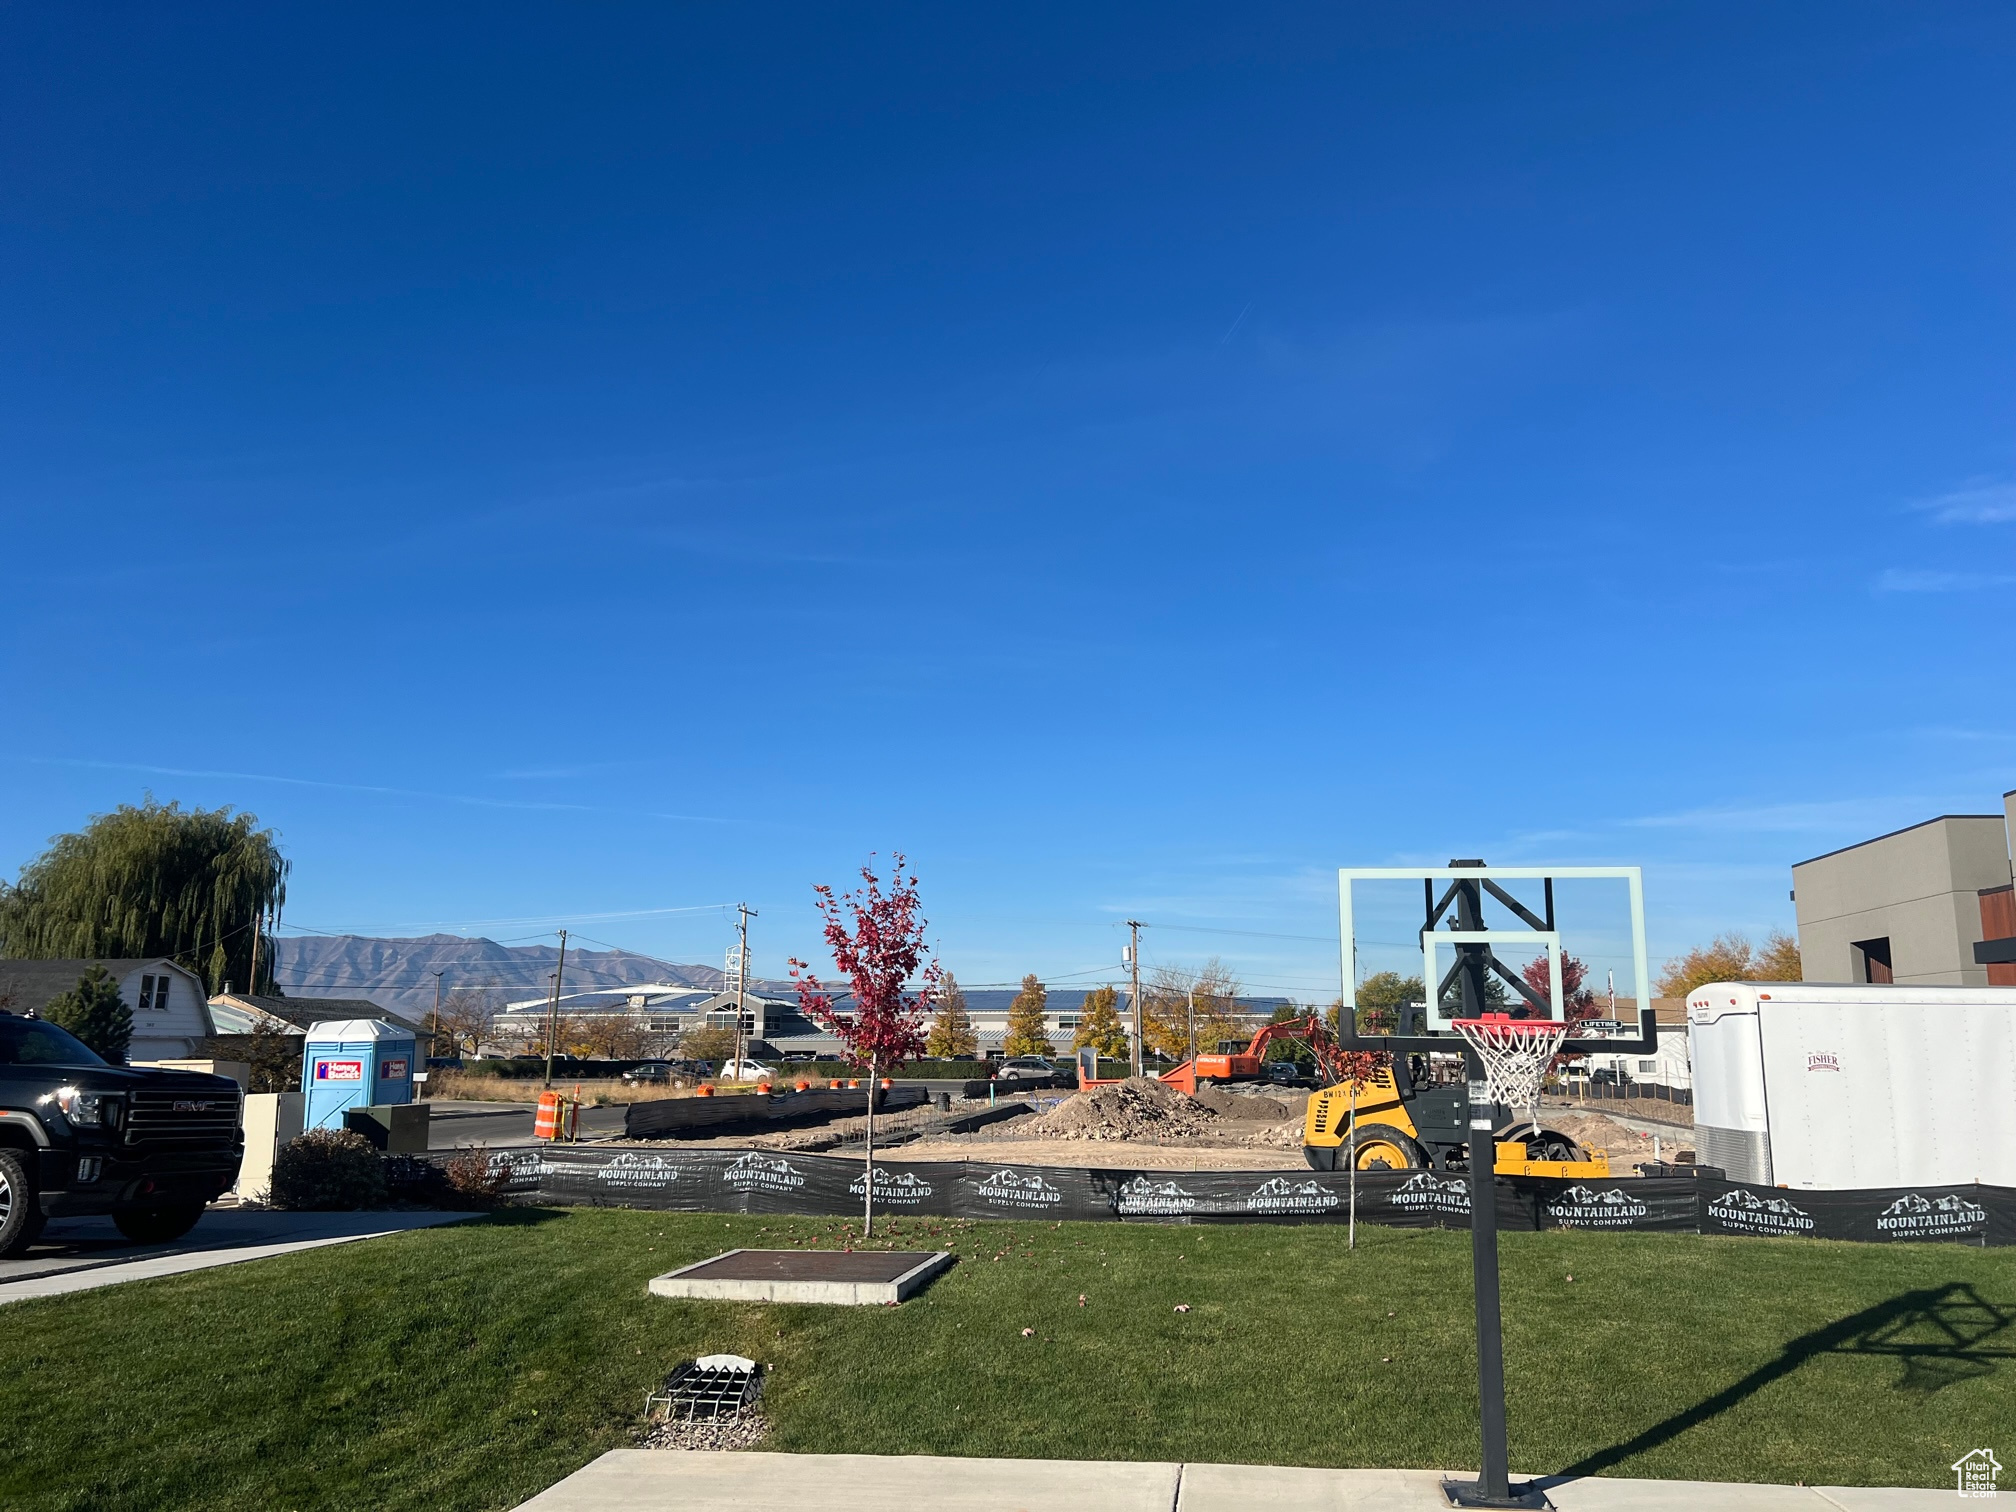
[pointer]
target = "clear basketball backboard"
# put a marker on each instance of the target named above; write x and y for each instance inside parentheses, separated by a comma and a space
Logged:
(1546, 931)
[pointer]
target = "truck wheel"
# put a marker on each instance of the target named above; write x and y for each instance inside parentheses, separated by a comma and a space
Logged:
(157, 1225)
(1320, 1157)
(20, 1214)
(1381, 1147)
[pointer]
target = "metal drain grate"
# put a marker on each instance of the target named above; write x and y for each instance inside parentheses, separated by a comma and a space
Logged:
(713, 1386)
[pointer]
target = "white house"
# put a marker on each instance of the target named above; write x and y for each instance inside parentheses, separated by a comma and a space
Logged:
(170, 1017)
(1669, 1069)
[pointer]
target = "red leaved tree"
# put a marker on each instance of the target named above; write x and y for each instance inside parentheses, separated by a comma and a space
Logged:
(877, 940)
(1577, 1001)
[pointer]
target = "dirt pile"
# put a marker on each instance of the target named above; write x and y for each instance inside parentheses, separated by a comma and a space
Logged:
(1138, 1108)
(1594, 1131)
(1245, 1105)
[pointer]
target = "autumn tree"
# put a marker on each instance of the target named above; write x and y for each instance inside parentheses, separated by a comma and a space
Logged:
(1777, 960)
(707, 1044)
(94, 1011)
(1173, 996)
(614, 1035)
(199, 886)
(1732, 958)
(1577, 1001)
(1099, 1024)
(877, 940)
(1028, 1030)
(952, 1034)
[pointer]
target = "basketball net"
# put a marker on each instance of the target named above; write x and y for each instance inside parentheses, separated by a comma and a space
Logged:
(1516, 1054)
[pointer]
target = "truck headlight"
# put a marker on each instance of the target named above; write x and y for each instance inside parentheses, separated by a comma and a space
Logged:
(85, 1109)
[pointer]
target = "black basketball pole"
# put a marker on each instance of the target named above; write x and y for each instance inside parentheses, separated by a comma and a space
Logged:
(1493, 1486)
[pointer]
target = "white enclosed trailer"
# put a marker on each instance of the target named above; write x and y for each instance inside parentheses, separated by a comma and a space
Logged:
(1826, 1085)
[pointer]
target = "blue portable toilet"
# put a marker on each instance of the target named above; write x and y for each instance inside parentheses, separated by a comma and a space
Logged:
(354, 1063)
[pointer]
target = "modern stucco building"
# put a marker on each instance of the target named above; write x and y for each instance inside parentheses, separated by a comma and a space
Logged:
(1913, 907)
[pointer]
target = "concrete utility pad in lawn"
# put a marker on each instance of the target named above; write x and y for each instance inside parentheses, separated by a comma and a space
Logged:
(849, 1279)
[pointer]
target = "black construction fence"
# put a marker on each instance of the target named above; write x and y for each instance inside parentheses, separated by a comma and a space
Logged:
(1605, 1091)
(789, 1184)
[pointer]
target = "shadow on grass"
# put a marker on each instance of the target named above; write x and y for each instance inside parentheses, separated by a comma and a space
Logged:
(513, 1215)
(1942, 1335)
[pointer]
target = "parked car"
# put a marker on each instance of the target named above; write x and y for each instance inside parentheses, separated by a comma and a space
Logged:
(1024, 1068)
(78, 1136)
(1281, 1073)
(650, 1071)
(743, 1070)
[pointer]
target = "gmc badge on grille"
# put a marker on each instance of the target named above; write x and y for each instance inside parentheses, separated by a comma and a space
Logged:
(193, 1107)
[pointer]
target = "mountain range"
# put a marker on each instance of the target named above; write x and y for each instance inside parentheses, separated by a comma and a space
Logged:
(400, 974)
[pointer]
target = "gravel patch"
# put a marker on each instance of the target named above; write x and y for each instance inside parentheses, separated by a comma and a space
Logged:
(744, 1431)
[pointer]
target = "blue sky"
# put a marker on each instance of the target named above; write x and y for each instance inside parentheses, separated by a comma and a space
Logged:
(1136, 459)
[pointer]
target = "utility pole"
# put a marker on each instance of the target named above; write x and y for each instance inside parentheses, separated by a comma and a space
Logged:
(553, 1010)
(1135, 926)
(258, 923)
(741, 979)
(434, 1047)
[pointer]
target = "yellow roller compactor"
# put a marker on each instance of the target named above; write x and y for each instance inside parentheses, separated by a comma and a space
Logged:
(1404, 1126)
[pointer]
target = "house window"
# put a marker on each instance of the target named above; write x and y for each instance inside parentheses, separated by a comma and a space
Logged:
(1648, 1065)
(154, 994)
(1872, 957)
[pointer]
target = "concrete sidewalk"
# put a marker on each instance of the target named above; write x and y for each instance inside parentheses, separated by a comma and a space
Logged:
(658, 1480)
(82, 1254)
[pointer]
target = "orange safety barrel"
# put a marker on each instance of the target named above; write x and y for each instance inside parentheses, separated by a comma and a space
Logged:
(804, 1086)
(546, 1122)
(887, 1084)
(705, 1090)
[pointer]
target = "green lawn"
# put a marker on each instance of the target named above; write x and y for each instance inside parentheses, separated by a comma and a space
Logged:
(469, 1367)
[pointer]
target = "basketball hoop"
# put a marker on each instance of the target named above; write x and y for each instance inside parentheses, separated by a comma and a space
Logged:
(1516, 1054)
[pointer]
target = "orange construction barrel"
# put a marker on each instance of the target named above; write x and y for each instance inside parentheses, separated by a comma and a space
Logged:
(546, 1122)
(705, 1090)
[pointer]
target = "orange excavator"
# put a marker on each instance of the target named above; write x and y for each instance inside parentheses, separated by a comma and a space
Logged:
(1230, 1063)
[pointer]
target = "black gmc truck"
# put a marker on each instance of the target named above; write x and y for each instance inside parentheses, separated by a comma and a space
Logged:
(79, 1136)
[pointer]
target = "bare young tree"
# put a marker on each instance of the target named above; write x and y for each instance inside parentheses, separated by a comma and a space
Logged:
(1175, 999)
(469, 1017)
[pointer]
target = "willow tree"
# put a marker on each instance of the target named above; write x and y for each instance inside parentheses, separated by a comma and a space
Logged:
(202, 887)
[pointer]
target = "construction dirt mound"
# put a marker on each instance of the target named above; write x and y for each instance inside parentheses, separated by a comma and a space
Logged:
(1137, 1108)
(1248, 1105)
(1594, 1131)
